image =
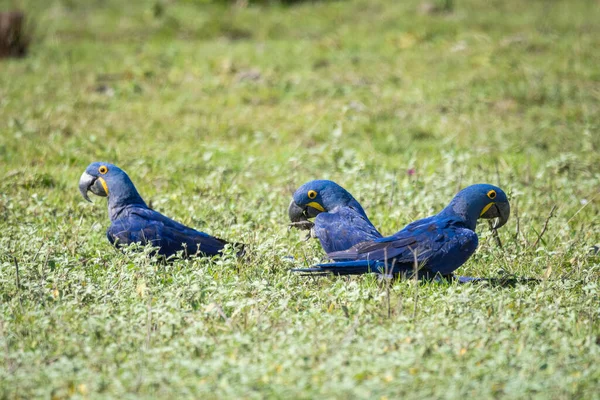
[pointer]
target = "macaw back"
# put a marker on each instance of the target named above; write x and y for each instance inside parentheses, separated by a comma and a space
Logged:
(138, 224)
(440, 245)
(343, 228)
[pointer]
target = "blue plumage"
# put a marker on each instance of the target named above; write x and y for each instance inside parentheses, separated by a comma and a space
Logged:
(340, 221)
(438, 245)
(132, 221)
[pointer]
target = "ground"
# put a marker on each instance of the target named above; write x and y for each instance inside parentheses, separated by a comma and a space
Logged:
(218, 112)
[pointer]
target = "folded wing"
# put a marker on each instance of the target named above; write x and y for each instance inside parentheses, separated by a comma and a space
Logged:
(343, 228)
(146, 226)
(439, 246)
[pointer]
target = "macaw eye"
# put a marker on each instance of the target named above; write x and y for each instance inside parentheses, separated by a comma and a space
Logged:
(103, 169)
(312, 194)
(491, 194)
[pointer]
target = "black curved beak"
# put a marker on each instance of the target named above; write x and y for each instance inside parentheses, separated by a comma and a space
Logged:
(87, 183)
(296, 213)
(299, 215)
(500, 211)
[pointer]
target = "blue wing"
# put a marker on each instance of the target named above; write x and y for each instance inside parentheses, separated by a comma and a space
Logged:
(440, 246)
(145, 226)
(343, 228)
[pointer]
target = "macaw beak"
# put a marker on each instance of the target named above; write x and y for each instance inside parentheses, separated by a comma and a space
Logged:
(299, 215)
(500, 211)
(97, 186)
(296, 213)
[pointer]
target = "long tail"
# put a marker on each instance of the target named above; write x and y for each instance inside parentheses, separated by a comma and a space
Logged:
(344, 268)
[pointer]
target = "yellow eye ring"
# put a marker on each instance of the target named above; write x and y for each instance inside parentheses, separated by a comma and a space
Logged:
(312, 194)
(103, 169)
(491, 194)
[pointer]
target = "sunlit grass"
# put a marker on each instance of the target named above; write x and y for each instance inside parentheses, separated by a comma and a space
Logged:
(218, 114)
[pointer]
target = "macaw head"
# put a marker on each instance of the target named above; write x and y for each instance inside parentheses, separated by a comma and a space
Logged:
(480, 201)
(108, 180)
(319, 196)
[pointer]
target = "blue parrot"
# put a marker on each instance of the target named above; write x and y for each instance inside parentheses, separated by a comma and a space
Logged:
(438, 244)
(132, 221)
(340, 221)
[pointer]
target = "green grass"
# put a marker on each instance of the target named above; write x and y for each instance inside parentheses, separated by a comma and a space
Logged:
(218, 113)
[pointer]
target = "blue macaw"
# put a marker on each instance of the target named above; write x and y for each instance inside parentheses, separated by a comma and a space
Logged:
(132, 221)
(340, 221)
(438, 244)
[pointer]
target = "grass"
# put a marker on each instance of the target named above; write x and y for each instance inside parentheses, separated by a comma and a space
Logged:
(218, 113)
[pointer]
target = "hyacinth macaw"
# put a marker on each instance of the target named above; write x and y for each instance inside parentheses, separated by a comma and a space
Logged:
(340, 221)
(132, 221)
(439, 244)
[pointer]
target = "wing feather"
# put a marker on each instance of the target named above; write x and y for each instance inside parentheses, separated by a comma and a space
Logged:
(440, 245)
(145, 226)
(343, 228)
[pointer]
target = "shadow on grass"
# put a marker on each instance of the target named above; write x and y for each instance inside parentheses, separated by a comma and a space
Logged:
(503, 281)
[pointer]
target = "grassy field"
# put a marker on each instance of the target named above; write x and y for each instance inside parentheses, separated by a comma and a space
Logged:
(218, 113)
